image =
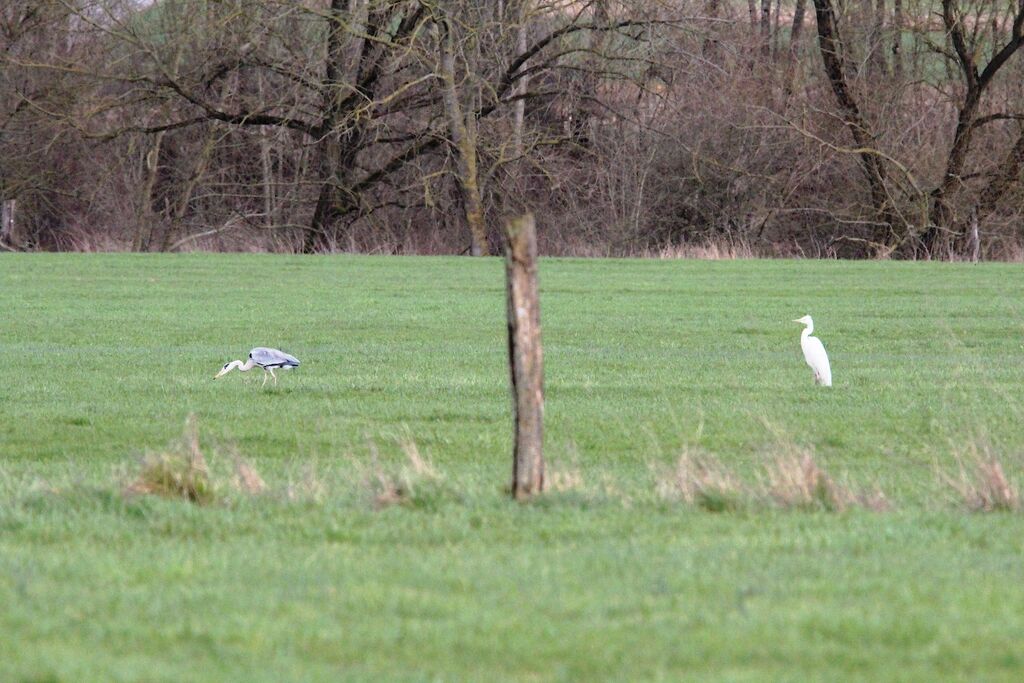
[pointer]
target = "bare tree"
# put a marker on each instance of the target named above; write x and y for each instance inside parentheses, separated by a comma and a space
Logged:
(871, 161)
(947, 230)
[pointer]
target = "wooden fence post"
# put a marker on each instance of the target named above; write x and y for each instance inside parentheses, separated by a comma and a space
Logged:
(525, 357)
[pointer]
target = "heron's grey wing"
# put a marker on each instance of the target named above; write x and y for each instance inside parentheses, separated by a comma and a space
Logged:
(272, 358)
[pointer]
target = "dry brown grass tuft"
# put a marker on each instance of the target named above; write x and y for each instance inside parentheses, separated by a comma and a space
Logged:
(709, 251)
(981, 483)
(562, 477)
(404, 486)
(307, 487)
(419, 465)
(794, 479)
(179, 472)
(702, 480)
(246, 478)
(562, 480)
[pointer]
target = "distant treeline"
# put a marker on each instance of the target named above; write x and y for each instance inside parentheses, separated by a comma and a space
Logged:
(870, 128)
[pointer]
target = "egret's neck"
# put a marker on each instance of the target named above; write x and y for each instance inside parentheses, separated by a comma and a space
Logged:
(807, 331)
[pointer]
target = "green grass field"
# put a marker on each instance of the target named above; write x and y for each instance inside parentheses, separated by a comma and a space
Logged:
(104, 357)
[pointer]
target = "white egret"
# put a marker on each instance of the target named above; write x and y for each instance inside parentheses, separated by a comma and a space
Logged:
(814, 353)
(262, 357)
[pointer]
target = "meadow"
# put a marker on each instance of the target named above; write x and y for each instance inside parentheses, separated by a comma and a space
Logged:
(104, 357)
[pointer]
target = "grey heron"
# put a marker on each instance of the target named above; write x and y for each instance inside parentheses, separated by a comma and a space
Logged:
(262, 357)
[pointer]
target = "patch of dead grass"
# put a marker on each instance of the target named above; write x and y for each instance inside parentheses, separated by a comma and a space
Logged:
(980, 482)
(700, 479)
(410, 483)
(181, 471)
(795, 480)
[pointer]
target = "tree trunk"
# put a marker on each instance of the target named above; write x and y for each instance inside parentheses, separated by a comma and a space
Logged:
(897, 38)
(776, 33)
(185, 196)
(793, 60)
(879, 65)
(462, 131)
(946, 233)
(831, 53)
(525, 356)
(339, 143)
(941, 236)
(712, 9)
(766, 26)
(267, 166)
(146, 216)
(176, 219)
(583, 123)
(1005, 178)
(360, 39)
(519, 114)
(8, 227)
(798, 24)
(974, 238)
(331, 204)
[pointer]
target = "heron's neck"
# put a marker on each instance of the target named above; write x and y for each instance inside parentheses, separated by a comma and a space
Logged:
(242, 367)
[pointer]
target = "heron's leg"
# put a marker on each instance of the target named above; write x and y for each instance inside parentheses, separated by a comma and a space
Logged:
(264, 380)
(274, 376)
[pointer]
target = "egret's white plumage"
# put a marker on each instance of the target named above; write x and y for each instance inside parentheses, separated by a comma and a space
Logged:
(262, 357)
(814, 353)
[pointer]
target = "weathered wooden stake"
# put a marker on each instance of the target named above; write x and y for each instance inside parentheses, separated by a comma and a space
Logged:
(526, 361)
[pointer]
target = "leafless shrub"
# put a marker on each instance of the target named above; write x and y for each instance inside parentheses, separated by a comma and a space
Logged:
(980, 481)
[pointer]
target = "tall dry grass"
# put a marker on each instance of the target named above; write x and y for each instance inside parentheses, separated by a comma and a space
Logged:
(181, 471)
(980, 482)
(791, 478)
